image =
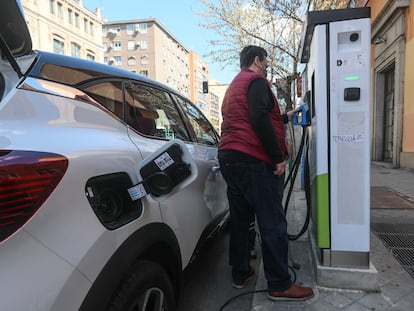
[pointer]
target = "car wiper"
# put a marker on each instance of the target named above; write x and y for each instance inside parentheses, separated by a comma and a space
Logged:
(6, 50)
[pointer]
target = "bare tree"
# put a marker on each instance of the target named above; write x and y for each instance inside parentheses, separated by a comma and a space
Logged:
(276, 25)
(331, 4)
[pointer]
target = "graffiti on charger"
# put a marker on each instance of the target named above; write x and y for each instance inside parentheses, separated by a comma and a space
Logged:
(350, 138)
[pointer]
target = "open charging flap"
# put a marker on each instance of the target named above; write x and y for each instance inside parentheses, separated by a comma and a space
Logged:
(165, 172)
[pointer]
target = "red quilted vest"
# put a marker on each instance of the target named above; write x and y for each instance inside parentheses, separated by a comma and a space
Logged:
(236, 130)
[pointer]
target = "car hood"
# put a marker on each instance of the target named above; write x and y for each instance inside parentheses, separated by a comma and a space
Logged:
(13, 28)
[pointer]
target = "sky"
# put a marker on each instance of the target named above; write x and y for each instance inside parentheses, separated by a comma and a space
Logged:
(179, 17)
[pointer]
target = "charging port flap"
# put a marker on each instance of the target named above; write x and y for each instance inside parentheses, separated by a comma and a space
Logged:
(165, 172)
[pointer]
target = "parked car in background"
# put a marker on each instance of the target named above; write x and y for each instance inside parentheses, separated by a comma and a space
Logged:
(72, 136)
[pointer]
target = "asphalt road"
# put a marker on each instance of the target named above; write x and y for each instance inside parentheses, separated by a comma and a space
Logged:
(207, 281)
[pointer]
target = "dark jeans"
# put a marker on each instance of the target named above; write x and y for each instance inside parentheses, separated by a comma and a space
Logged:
(253, 188)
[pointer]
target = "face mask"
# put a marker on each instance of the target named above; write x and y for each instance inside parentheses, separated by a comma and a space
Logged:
(262, 68)
(264, 71)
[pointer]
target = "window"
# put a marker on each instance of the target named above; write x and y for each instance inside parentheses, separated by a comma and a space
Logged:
(58, 46)
(143, 28)
(132, 61)
(131, 45)
(59, 10)
(52, 6)
(109, 95)
(204, 132)
(77, 20)
(143, 72)
(130, 28)
(117, 45)
(118, 60)
(202, 106)
(70, 17)
(144, 60)
(91, 27)
(90, 56)
(152, 112)
(85, 25)
(144, 44)
(74, 49)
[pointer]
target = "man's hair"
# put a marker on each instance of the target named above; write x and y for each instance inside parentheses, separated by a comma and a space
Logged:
(248, 54)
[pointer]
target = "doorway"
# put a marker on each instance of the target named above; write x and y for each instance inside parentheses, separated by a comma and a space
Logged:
(388, 113)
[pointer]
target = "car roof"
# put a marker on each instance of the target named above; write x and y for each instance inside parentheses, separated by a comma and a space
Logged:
(50, 66)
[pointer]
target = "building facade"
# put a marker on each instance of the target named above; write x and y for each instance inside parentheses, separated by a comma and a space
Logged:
(199, 73)
(392, 79)
(210, 102)
(64, 27)
(217, 89)
(146, 47)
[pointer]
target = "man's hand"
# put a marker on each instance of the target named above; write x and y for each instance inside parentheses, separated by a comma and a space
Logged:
(280, 168)
(291, 112)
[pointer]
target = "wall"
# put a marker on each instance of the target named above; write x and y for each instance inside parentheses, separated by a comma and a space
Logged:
(392, 22)
(407, 155)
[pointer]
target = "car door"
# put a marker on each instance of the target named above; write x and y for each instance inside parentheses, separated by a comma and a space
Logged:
(206, 142)
(154, 119)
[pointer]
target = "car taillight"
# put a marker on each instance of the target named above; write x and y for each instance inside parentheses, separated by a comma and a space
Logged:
(27, 178)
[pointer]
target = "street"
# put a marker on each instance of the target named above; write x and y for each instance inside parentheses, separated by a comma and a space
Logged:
(207, 281)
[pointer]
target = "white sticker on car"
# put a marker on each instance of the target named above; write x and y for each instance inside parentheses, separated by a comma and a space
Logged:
(137, 192)
(164, 161)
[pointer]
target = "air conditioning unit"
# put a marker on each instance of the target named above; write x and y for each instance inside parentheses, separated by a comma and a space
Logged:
(111, 31)
(137, 44)
(111, 60)
(136, 28)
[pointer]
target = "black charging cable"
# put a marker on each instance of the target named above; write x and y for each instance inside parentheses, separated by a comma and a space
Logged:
(303, 150)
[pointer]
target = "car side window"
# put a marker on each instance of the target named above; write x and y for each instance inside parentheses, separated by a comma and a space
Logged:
(152, 112)
(109, 95)
(203, 130)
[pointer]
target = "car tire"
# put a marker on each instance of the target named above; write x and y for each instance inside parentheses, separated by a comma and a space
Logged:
(146, 288)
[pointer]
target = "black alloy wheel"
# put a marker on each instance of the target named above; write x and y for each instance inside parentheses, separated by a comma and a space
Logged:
(146, 288)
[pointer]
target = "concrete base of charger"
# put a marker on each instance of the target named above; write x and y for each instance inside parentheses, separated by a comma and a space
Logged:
(343, 278)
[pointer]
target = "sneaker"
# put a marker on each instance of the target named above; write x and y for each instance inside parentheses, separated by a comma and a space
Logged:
(295, 292)
(242, 283)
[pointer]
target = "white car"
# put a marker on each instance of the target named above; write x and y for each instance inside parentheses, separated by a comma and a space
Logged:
(73, 137)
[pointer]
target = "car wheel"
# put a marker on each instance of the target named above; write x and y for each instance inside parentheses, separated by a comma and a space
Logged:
(146, 288)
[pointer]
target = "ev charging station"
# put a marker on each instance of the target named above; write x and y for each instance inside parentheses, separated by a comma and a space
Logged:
(336, 51)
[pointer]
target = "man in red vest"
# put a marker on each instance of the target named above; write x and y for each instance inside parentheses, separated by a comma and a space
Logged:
(252, 155)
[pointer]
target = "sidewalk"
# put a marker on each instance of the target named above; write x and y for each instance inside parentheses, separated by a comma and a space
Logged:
(392, 207)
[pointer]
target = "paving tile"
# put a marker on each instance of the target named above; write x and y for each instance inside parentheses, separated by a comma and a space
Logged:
(356, 307)
(404, 304)
(338, 300)
(320, 305)
(355, 295)
(374, 301)
(394, 291)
